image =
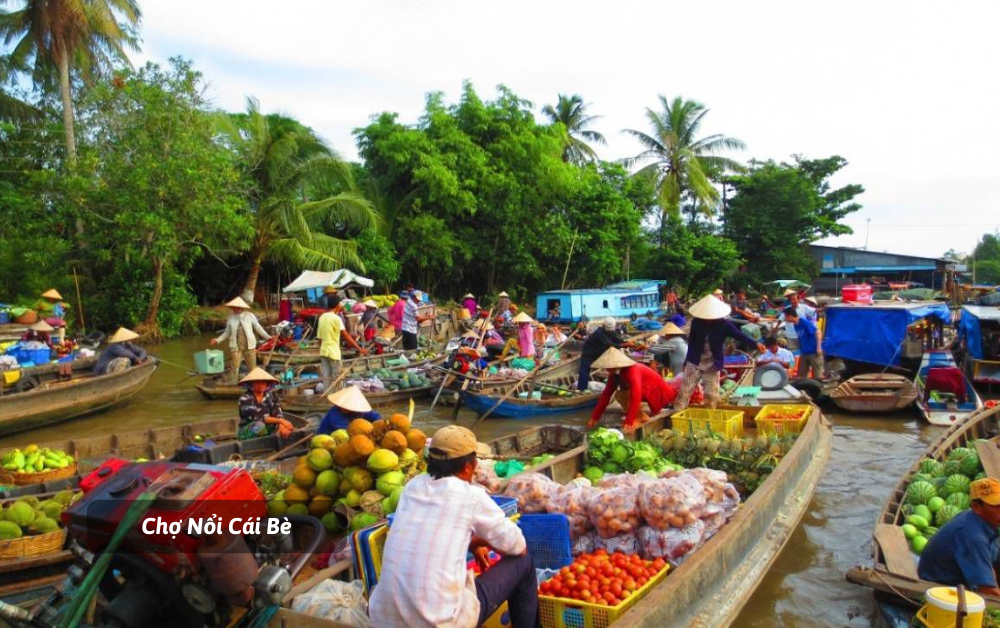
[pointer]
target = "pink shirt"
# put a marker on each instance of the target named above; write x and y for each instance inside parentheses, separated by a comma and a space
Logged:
(395, 314)
(526, 340)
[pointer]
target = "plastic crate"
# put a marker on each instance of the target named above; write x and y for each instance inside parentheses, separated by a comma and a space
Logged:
(507, 504)
(557, 612)
(547, 537)
(768, 424)
(30, 356)
(729, 423)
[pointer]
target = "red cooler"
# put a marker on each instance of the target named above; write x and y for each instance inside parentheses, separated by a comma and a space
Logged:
(857, 293)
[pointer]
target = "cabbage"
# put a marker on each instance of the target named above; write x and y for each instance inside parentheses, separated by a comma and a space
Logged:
(593, 474)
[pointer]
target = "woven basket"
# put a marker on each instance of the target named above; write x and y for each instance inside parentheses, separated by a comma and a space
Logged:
(23, 479)
(35, 545)
(28, 318)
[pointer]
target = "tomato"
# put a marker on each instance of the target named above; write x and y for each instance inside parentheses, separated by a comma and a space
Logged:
(601, 602)
(610, 599)
(616, 588)
(601, 552)
(642, 580)
(581, 569)
(629, 585)
(565, 571)
(659, 564)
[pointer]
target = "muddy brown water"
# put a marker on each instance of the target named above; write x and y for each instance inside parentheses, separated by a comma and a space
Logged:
(804, 588)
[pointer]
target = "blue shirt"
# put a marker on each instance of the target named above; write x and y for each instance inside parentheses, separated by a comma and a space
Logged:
(337, 419)
(962, 552)
(805, 329)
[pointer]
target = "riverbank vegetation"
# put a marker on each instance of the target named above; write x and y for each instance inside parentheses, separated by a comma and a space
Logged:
(128, 183)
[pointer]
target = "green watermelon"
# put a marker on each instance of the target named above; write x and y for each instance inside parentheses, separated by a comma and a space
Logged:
(970, 465)
(922, 477)
(934, 504)
(980, 476)
(930, 531)
(920, 492)
(959, 500)
(945, 515)
(957, 483)
(951, 467)
(927, 466)
(924, 511)
(959, 452)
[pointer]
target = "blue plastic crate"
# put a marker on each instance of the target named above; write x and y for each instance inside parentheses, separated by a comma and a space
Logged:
(4, 317)
(36, 356)
(548, 541)
(507, 504)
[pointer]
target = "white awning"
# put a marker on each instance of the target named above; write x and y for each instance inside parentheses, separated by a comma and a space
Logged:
(313, 279)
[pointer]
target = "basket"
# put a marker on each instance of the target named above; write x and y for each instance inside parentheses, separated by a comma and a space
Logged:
(729, 423)
(23, 479)
(28, 318)
(768, 422)
(557, 612)
(547, 538)
(36, 545)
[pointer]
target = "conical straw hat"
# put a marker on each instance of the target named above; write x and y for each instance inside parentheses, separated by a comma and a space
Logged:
(710, 308)
(503, 294)
(789, 292)
(483, 323)
(522, 318)
(369, 303)
(42, 326)
(350, 399)
(469, 295)
(258, 375)
(613, 358)
(718, 291)
(238, 302)
(671, 329)
(52, 294)
(122, 335)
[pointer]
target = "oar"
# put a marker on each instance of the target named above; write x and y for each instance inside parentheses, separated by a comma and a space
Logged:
(289, 448)
(274, 345)
(298, 346)
(445, 381)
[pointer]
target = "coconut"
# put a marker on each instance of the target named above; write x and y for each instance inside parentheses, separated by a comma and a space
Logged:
(341, 436)
(320, 505)
(362, 445)
(388, 482)
(394, 441)
(304, 476)
(400, 422)
(371, 502)
(321, 441)
(361, 480)
(295, 494)
(330, 522)
(276, 507)
(344, 455)
(415, 440)
(328, 482)
(359, 426)
(319, 460)
(353, 498)
(379, 428)
(382, 460)
(363, 520)
(297, 509)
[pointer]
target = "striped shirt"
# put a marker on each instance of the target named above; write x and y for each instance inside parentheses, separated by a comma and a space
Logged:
(424, 581)
(410, 317)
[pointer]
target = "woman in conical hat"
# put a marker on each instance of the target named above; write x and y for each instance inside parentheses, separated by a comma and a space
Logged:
(631, 384)
(260, 410)
(347, 404)
(525, 336)
(120, 353)
(242, 331)
(706, 344)
(673, 348)
(39, 332)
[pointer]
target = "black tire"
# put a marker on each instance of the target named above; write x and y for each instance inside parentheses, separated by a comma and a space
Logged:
(26, 383)
(767, 369)
(810, 387)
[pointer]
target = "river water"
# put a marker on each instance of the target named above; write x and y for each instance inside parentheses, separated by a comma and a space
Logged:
(805, 587)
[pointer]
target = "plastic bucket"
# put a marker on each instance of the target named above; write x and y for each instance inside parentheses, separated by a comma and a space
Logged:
(942, 607)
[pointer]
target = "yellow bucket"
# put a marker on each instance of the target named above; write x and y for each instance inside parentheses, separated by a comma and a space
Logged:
(942, 607)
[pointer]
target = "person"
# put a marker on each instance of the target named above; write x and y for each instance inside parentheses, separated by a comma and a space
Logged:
(53, 311)
(580, 331)
(632, 384)
(719, 294)
(677, 318)
(260, 411)
(810, 344)
(329, 331)
(555, 337)
(776, 354)
(503, 315)
(540, 335)
(411, 321)
(395, 312)
(674, 348)
(492, 341)
(705, 357)
(671, 301)
(242, 329)
(803, 310)
(525, 335)
(348, 404)
(741, 307)
(599, 341)
(470, 305)
(555, 313)
(440, 517)
(965, 550)
(120, 353)
(329, 293)
(368, 318)
(39, 332)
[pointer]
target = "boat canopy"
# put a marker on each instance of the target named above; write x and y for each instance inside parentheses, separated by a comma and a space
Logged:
(969, 328)
(315, 279)
(788, 283)
(874, 334)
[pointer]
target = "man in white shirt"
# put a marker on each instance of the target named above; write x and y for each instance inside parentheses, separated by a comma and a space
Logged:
(440, 517)
(775, 354)
(804, 311)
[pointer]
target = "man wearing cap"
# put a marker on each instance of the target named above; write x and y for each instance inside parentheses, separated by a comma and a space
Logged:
(329, 331)
(599, 341)
(348, 404)
(632, 384)
(965, 550)
(803, 311)
(260, 412)
(328, 293)
(673, 350)
(440, 517)
(242, 329)
(120, 353)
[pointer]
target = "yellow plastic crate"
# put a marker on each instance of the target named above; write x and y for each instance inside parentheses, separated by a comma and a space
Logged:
(769, 423)
(729, 423)
(559, 612)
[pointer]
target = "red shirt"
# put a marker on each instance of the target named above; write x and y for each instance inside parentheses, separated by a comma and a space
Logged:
(642, 384)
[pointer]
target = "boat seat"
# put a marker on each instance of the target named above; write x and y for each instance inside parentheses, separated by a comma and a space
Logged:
(946, 380)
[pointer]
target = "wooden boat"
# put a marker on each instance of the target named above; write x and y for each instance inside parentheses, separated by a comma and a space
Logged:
(295, 400)
(885, 392)
(893, 573)
(57, 401)
(568, 366)
(945, 396)
(557, 397)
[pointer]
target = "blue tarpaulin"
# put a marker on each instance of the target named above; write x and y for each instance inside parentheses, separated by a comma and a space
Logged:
(969, 328)
(874, 334)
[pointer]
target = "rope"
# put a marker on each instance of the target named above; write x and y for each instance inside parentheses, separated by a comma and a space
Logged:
(895, 590)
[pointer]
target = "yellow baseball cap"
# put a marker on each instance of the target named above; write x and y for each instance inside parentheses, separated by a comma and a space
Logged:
(987, 490)
(454, 441)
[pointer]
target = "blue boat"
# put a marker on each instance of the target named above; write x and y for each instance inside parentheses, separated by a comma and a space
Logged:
(945, 395)
(548, 394)
(979, 336)
(639, 297)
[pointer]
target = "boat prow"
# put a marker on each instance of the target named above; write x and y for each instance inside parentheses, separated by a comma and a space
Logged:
(945, 395)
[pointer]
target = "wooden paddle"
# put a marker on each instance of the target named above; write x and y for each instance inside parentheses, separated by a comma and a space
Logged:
(291, 447)
(298, 346)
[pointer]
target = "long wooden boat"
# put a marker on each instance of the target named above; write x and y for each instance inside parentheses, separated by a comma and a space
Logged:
(556, 397)
(568, 365)
(879, 392)
(893, 572)
(57, 401)
(295, 400)
(948, 397)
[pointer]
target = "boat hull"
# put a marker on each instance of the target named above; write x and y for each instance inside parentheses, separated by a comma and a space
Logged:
(944, 414)
(526, 408)
(874, 394)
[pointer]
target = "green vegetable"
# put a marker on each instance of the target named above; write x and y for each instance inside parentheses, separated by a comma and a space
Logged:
(917, 521)
(594, 474)
(918, 544)
(923, 511)
(910, 531)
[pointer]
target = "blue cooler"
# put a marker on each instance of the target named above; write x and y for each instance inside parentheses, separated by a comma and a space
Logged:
(210, 362)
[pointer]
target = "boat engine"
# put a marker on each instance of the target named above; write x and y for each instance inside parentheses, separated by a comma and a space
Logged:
(174, 569)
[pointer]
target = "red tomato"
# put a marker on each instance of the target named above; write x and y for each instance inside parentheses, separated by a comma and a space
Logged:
(616, 588)
(659, 564)
(642, 580)
(629, 585)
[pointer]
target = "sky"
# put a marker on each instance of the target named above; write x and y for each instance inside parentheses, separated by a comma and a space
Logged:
(907, 92)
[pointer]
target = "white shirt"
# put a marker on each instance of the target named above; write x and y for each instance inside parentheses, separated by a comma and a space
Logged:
(424, 580)
(804, 311)
(783, 355)
(410, 317)
(250, 325)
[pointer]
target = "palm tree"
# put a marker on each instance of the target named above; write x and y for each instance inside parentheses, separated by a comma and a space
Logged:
(680, 163)
(571, 112)
(283, 162)
(87, 35)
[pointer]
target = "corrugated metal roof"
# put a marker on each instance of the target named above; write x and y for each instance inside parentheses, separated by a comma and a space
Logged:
(983, 312)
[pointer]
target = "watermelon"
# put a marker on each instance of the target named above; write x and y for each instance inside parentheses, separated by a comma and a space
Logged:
(946, 514)
(934, 504)
(917, 522)
(923, 511)
(920, 492)
(930, 531)
(910, 531)
(957, 483)
(927, 466)
(922, 477)
(918, 543)
(970, 465)
(959, 500)
(959, 452)
(980, 476)
(951, 467)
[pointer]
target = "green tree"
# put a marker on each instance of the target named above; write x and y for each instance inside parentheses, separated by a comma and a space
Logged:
(694, 260)
(682, 164)
(283, 161)
(87, 36)
(161, 190)
(987, 272)
(779, 209)
(571, 112)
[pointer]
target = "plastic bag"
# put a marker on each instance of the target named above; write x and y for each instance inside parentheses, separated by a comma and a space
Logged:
(671, 502)
(624, 543)
(572, 502)
(630, 480)
(714, 518)
(343, 602)
(730, 500)
(585, 544)
(486, 477)
(508, 468)
(714, 482)
(673, 544)
(614, 511)
(533, 492)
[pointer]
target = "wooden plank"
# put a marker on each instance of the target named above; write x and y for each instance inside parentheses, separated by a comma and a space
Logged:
(29, 585)
(896, 551)
(989, 455)
(19, 564)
